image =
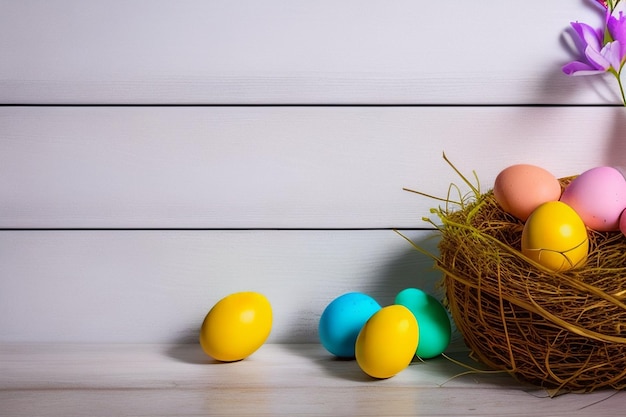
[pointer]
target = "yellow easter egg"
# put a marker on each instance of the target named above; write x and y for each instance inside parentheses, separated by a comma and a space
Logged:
(555, 236)
(236, 326)
(387, 342)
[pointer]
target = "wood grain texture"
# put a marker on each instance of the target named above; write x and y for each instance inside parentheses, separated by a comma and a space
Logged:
(157, 286)
(180, 206)
(277, 380)
(280, 51)
(275, 167)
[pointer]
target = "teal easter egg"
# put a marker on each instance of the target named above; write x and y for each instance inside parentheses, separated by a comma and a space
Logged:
(432, 319)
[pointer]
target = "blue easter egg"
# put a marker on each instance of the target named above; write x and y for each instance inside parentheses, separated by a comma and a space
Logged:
(342, 321)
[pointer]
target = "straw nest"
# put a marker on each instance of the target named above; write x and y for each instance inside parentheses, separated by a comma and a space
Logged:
(564, 331)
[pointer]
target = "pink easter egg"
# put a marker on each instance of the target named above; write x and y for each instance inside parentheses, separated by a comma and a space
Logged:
(598, 196)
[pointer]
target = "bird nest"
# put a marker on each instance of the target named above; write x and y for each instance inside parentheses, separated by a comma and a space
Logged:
(559, 330)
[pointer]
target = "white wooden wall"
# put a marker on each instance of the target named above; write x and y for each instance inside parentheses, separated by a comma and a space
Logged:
(158, 155)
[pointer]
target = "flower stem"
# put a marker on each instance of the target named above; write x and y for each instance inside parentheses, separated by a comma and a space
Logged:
(612, 4)
(621, 87)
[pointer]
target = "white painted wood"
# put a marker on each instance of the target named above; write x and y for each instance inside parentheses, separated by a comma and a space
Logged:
(157, 286)
(277, 380)
(74, 304)
(275, 167)
(281, 51)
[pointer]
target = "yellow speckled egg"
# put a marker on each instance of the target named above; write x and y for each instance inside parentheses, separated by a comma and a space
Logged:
(387, 342)
(555, 236)
(236, 326)
(520, 189)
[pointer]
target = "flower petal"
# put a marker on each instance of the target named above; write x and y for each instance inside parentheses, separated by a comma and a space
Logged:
(612, 53)
(589, 36)
(597, 59)
(617, 27)
(576, 68)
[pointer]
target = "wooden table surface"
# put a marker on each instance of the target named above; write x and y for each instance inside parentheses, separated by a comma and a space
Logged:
(290, 380)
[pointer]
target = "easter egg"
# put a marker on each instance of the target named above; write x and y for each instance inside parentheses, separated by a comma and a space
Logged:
(555, 236)
(520, 189)
(433, 322)
(236, 326)
(387, 342)
(342, 321)
(598, 196)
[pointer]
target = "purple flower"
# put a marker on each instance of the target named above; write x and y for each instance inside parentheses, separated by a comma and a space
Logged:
(598, 58)
(603, 49)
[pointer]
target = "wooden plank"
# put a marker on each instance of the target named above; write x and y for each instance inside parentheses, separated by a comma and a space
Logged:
(274, 167)
(278, 380)
(157, 286)
(280, 51)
